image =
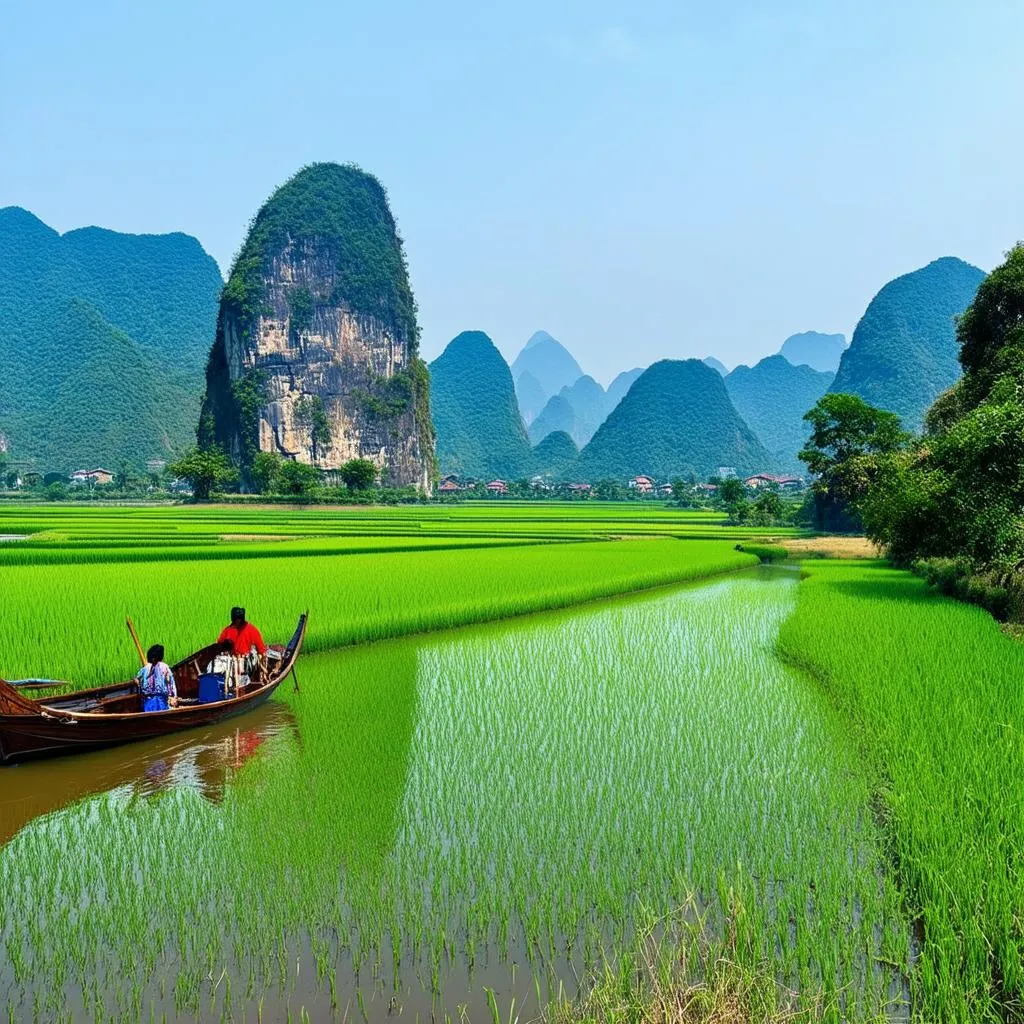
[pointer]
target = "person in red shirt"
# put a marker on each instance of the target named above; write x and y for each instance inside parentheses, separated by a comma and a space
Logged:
(242, 639)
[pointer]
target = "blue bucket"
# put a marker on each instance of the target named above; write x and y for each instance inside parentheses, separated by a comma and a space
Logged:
(211, 688)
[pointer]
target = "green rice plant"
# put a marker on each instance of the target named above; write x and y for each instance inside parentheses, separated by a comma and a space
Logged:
(933, 694)
(539, 791)
(67, 621)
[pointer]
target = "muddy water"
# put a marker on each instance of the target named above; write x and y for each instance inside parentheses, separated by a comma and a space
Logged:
(431, 818)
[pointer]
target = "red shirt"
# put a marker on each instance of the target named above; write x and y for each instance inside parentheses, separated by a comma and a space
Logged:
(243, 639)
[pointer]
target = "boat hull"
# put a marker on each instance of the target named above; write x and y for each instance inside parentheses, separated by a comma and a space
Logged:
(93, 719)
(28, 737)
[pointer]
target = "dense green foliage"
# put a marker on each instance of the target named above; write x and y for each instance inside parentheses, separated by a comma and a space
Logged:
(932, 690)
(820, 352)
(346, 209)
(959, 492)
(204, 469)
(904, 353)
(548, 362)
(358, 474)
(676, 419)
(102, 340)
(555, 455)
(772, 398)
(848, 438)
(480, 432)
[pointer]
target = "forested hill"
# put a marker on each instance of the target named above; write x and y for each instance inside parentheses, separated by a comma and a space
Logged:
(676, 419)
(772, 397)
(820, 352)
(479, 430)
(103, 340)
(904, 351)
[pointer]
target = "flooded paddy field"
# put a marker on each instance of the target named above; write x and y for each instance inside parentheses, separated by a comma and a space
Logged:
(468, 823)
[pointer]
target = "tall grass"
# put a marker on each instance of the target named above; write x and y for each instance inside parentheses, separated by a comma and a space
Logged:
(933, 693)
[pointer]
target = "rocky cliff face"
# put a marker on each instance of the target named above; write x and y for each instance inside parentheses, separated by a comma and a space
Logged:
(315, 356)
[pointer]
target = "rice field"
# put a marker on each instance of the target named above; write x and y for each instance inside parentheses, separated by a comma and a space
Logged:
(932, 691)
(508, 789)
(475, 816)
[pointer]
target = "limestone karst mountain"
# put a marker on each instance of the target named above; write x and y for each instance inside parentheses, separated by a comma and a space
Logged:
(903, 354)
(557, 415)
(316, 350)
(772, 397)
(618, 388)
(716, 364)
(676, 419)
(555, 455)
(548, 362)
(103, 339)
(479, 430)
(531, 396)
(820, 352)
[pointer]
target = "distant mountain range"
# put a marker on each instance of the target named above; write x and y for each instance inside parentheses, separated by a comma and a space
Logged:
(548, 362)
(103, 342)
(772, 397)
(903, 354)
(716, 365)
(820, 352)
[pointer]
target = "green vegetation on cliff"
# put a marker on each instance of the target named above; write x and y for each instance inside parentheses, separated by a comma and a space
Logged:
(102, 342)
(348, 209)
(676, 419)
(773, 397)
(479, 429)
(904, 353)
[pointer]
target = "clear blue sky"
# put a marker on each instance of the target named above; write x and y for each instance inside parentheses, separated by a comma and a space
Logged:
(642, 180)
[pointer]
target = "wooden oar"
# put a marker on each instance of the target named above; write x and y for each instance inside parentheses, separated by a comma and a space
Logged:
(135, 637)
(37, 684)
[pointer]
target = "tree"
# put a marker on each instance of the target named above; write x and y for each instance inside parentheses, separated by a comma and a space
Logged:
(680, 490)
(311, 415)
(298, 478)
(768, 507)
(265, 472)
(848, 437)
(204, 469)
(358, 474)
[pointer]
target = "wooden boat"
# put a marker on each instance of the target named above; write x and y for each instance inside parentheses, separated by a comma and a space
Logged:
(111, 715)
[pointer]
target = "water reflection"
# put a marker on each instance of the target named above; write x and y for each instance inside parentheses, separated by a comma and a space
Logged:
(203, 760)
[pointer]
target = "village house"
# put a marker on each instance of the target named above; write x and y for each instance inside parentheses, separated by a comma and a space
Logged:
(783, 483)
(710, 490)
(641, 484)
(498, 487)
(448, 486)
(91, 477)
(665, 490)
(580, 489)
